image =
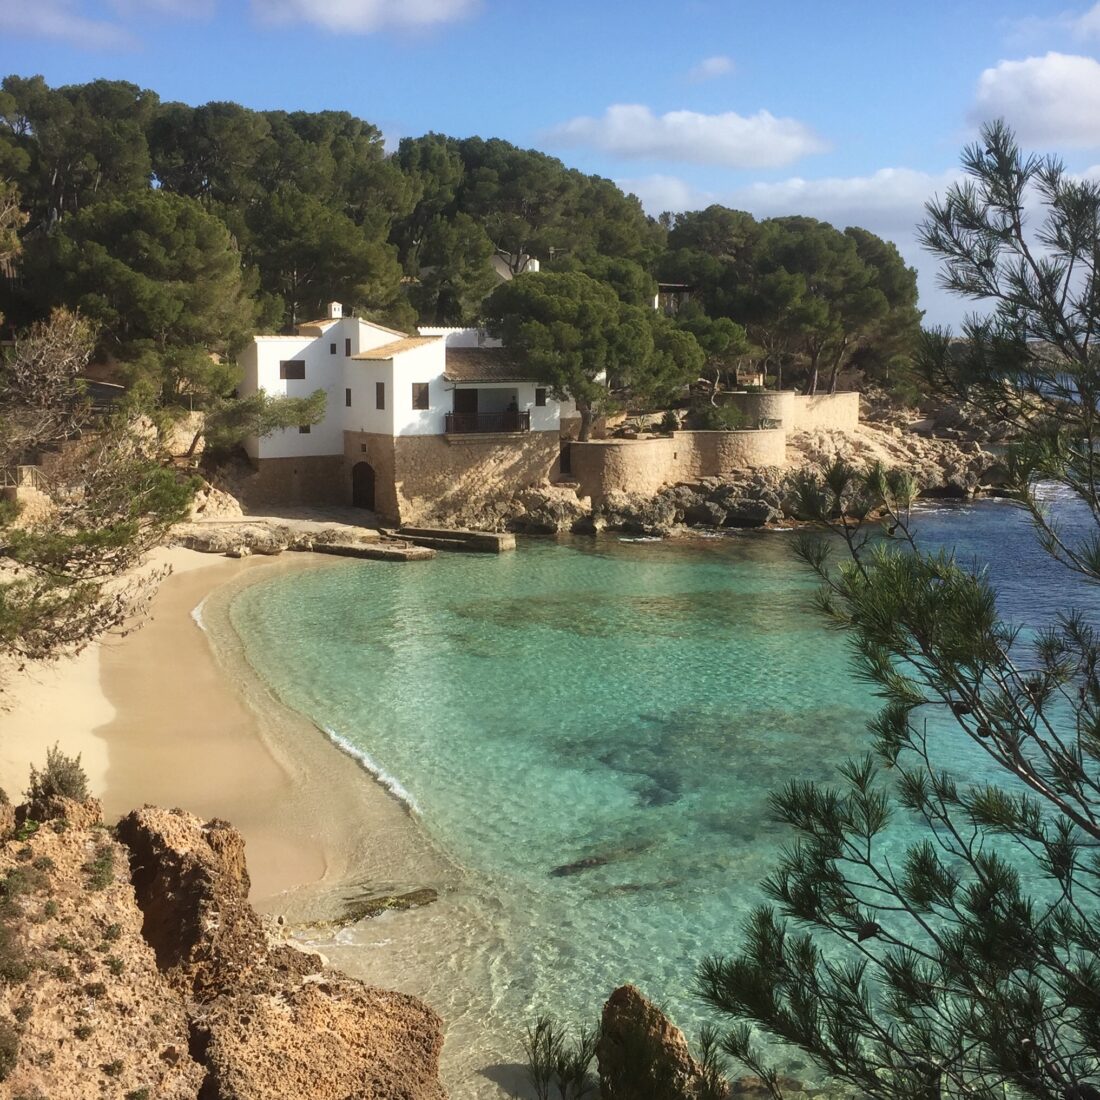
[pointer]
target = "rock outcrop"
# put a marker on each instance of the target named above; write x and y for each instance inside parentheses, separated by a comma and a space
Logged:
(641, 1055)
(135, 966)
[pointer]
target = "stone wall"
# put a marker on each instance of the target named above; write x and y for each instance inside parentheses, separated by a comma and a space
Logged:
(314, 479)
(645, 465)
(798, 413)
(436, 476)
(378, 451)
(825, 411)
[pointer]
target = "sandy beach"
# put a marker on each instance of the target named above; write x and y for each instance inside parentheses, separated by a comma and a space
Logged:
(164, 715)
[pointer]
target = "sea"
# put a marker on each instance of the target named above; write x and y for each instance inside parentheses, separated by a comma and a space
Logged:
(588, 731)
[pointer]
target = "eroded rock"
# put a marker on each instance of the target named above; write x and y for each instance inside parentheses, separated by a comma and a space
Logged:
(641, 1054)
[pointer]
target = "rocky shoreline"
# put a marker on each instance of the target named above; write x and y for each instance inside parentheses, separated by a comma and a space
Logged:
(756, 498)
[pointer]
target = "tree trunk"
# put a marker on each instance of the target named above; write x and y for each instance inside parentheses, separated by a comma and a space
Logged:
(588, 418)
(811, 382)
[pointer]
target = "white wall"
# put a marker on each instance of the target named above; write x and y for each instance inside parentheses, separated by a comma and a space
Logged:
(334, 373)
(462, 337)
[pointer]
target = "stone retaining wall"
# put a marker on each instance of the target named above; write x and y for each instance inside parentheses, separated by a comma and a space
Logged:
(797, 412)
(645, 465)
(314, 479)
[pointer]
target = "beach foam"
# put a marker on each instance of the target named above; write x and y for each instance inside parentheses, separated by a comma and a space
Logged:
(391, 783)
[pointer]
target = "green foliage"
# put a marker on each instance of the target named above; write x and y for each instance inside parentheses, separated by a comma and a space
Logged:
(964, 963)
(573, 333)
(101, 870)
(113, 1069)
(62, 777)
(115, 965)
(556, 1058)
(14, 963)
(156, 271)
(705, 417)
(83, 1031)
(9, 1049)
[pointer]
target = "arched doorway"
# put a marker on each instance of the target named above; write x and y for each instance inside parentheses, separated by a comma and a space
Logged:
(362, 485)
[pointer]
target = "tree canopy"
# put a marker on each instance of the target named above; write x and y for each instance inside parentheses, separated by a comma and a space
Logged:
(581, 339)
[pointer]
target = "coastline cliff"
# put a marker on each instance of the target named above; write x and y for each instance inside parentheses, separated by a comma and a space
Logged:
(132, 962)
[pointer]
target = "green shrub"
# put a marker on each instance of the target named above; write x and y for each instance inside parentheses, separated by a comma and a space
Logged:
(14, 965)
(27, 829)
(62, 776)
(115, 965)
(22, 1012)
(101, 869)
(9, 1049)
(670, 422)
(553, 1059)
(24, 854)
(112, 932)
(142, 1093)
(112, 1069)
(50, 908)
(64, 973)
(705, 417)
(43, 863)
(83, 1031)
(96, 989)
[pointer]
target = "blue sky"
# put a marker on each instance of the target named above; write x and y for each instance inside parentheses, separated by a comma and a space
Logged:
(849, 110)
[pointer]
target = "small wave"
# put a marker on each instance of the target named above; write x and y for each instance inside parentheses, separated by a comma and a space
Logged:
(643, 538)
(388, 781)
(196, 614)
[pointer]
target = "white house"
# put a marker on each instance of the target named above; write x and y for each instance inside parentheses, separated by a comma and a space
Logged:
(411, 423)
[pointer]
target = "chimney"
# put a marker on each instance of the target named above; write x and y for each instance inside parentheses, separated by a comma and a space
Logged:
(335, 311)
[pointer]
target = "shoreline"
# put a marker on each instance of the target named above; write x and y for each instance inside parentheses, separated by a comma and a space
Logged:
(172, 714)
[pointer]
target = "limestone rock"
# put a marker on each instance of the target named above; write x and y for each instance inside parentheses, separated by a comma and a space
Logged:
(96, 1016)
(549, 509)
(636, 512)
(641, 1055)
(326, 1040)
(192, 884)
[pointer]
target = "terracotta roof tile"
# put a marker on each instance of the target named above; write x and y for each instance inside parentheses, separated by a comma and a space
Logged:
(485, 365)
(396, 347)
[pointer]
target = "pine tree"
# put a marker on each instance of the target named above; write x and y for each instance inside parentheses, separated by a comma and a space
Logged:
(969, 965)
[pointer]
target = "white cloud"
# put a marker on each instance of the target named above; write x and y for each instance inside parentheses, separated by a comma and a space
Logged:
(1087, 24)
(364, 16)
(660, 193)
(1050, 101)
(633, 131)
(63, 21)
(709, 68)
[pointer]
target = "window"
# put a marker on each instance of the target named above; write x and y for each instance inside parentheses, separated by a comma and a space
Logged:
(540, 396)
(303, 429)
(347, 345)
(332, 349)
(292, 368)
(363, 447)
(420, 395)
(347, 399)
(380, 395)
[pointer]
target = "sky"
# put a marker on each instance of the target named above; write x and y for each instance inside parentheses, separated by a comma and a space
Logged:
(852, 111)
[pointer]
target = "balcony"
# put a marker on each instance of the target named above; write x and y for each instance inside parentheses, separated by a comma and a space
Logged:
(486, 423)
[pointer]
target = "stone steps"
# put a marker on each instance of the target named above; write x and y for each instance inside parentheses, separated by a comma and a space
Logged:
(444, 538)
(375, 551)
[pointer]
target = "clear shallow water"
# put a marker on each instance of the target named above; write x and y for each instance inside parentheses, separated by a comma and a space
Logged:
(625, 706)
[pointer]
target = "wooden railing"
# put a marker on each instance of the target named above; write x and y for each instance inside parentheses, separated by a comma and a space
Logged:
(480, 423)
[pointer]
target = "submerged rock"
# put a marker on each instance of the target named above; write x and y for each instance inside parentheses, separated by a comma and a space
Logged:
(361, 908)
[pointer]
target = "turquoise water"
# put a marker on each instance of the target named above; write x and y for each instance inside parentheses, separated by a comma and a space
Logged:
(590, 729)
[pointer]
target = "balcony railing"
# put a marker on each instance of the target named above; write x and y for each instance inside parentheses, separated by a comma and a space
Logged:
(481, 423)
